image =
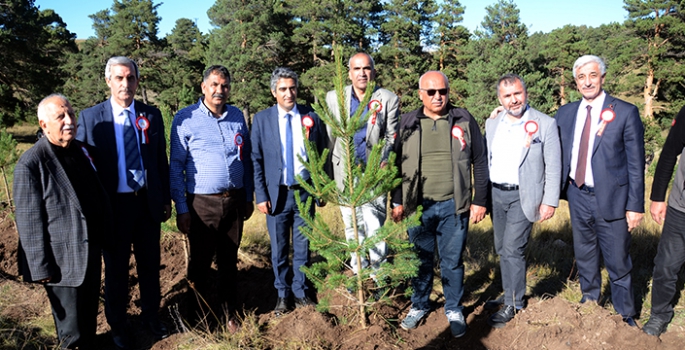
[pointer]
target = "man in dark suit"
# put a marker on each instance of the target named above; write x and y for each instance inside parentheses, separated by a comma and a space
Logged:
(130, 148)
(62, 213)
(278, 135)
(603, 159)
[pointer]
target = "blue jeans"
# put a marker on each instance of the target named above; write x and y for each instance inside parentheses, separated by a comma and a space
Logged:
(439, 224)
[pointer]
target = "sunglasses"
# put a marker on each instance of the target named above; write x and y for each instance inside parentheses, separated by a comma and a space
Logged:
(432, 92)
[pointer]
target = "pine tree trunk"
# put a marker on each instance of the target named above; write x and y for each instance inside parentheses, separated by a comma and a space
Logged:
(647, 93)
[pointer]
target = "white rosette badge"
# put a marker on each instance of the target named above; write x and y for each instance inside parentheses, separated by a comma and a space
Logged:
(531, 128)
(458, 133)
(308, 124)
(375, 106)
(607, 116)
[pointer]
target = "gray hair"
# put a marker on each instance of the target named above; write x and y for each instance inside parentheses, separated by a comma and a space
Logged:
(43, 105)
(283, 73)
(218, 70)
(510, 79)
(120, 61)
(583, 60)
(349, 62)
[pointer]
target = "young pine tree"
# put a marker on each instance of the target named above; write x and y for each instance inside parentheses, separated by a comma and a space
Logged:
(362, 185)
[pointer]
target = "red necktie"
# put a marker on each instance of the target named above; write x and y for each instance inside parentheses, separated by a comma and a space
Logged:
(582, 151)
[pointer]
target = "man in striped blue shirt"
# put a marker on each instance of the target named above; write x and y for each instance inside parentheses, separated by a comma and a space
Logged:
(212, 185)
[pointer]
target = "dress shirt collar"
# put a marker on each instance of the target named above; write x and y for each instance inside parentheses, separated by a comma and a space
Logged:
(282, 112)
(117, 110)
(596, 104)
(205, 110)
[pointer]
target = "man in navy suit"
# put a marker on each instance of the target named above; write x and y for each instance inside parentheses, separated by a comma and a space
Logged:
(278, 135)
(603, 160)
(130, 148)
(62, 214)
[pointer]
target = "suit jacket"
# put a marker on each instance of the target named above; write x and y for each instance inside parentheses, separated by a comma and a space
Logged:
(96, 128)
(266, 151)
(617, 158)
(53, 232)
(383, 126)
(539, 172)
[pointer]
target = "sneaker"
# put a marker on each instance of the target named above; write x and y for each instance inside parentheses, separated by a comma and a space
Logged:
(656, 325)
(457, 323)
(413, 318)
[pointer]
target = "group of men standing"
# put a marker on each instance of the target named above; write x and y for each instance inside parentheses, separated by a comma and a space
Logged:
(105, 185)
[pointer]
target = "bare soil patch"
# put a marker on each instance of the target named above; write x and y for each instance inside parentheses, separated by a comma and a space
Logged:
(550, 323)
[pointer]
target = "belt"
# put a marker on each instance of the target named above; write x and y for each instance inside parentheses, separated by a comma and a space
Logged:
(585, 187)
(140, 192)
(225, 194)
(292, 187)
(505, 187)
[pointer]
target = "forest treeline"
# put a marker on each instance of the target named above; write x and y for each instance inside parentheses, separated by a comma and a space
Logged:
(644, 55)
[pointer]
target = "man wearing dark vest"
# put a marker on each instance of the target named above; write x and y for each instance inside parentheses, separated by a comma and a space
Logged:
(439, 148)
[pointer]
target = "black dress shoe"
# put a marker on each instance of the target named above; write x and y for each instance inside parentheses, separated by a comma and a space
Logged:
(121, 339)
(630, 321)
(655, 326)
(158, 329)
(500, 318)
(303, 302)
(281, 306)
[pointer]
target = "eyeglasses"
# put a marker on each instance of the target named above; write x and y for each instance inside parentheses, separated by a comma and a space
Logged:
(431, 92)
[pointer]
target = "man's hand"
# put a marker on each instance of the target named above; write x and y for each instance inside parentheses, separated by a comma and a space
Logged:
(658, 211)
(183, 222)
(397, 213)
(546, 212)
(633, 219)
(167, 212)
(477, 213)
(249, 209)
(264, 207)
(496, 111)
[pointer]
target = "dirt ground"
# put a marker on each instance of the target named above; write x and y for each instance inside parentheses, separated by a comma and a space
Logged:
(551, 323)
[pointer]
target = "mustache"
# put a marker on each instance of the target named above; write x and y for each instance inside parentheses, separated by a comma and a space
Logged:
(69, 127)
(219, 95)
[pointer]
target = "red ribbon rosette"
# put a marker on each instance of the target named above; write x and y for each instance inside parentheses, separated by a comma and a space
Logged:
(607, 116)
(375, 106)
(239, 142)
(531, 127)
(308, 123)
(143, 124)
(458, 133)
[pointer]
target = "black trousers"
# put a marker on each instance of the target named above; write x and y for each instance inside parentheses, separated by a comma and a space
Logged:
(133, 226)
(216, 229)
(75, 309)
(670, 257)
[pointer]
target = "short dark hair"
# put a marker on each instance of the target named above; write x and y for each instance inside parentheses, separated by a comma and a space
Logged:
(509, 79)
(219, 70)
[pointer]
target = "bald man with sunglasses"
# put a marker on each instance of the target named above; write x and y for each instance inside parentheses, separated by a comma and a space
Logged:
(439, 147)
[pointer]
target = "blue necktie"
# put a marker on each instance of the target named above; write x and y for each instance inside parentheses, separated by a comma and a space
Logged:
(134, 171)
(289, 153)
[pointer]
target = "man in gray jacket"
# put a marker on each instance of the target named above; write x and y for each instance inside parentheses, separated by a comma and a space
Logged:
(525, 173)
(62, 215)
(383, 110)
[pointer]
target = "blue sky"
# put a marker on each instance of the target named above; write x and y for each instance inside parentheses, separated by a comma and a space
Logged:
(538, 15)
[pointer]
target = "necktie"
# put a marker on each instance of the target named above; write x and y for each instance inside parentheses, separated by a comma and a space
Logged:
(134, 171)
(583, 150)
(289, 153)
